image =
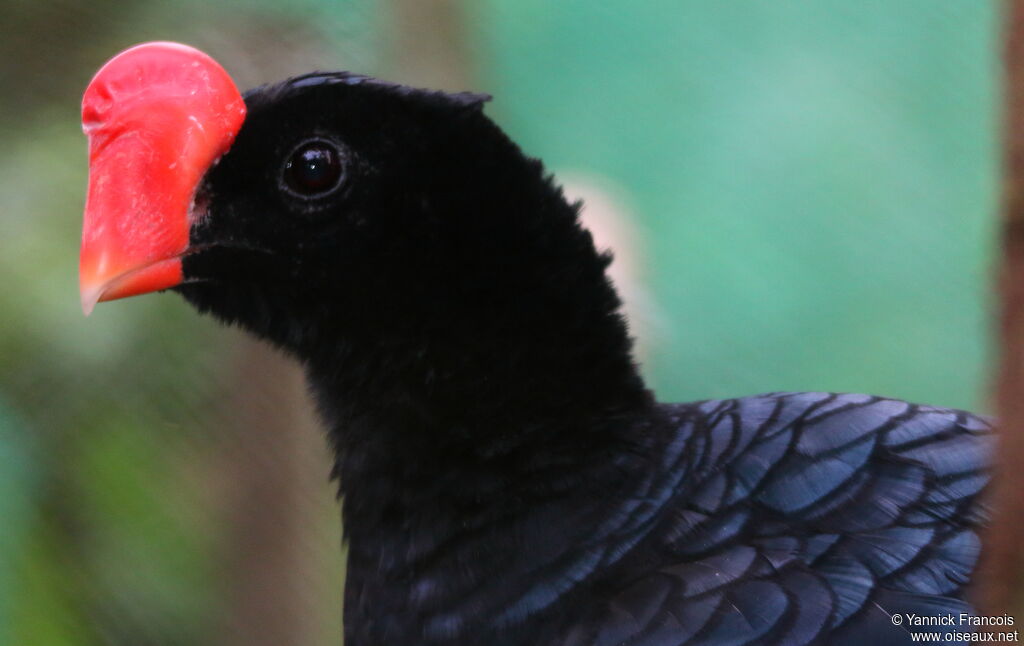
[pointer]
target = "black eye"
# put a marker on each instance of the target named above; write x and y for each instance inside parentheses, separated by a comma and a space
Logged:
(313, 169)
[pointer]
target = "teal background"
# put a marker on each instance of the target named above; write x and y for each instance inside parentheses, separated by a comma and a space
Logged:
(811, 185)
(816, 179)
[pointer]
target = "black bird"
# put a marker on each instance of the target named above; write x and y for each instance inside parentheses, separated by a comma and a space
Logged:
(507, 477)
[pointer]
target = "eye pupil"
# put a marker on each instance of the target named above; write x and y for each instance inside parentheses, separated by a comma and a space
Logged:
(313, 169)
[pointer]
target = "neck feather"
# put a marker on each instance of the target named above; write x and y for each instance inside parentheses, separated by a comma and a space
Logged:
(477, 435)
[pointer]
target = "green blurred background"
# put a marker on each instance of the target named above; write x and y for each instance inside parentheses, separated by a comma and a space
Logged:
(801, 195)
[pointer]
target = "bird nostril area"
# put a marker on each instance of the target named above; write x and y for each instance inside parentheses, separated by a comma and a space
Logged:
(199, 207)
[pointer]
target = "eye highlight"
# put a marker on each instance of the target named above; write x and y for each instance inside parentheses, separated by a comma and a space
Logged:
(313, 169)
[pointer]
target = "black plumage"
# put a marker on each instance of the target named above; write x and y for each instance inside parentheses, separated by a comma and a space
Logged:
(507, 478)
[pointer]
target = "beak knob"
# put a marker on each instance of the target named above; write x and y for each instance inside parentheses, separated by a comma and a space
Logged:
(157, 116)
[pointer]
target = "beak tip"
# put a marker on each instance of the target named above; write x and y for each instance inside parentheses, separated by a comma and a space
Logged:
(90, 296)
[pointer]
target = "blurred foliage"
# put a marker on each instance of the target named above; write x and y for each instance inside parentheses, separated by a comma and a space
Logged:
(17, 494)
(815, 182)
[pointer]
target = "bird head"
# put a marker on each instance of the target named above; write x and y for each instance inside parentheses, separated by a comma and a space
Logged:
(351, 221)
(329, 196)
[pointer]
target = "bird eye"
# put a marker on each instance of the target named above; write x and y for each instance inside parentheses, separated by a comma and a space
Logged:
(313, 169)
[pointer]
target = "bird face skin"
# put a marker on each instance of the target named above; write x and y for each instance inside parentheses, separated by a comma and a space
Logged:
(507, 477)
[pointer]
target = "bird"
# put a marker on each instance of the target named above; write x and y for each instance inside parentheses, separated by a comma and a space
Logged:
(506, 475)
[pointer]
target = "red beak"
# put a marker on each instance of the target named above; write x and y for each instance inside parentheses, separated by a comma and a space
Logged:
(157, 117)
